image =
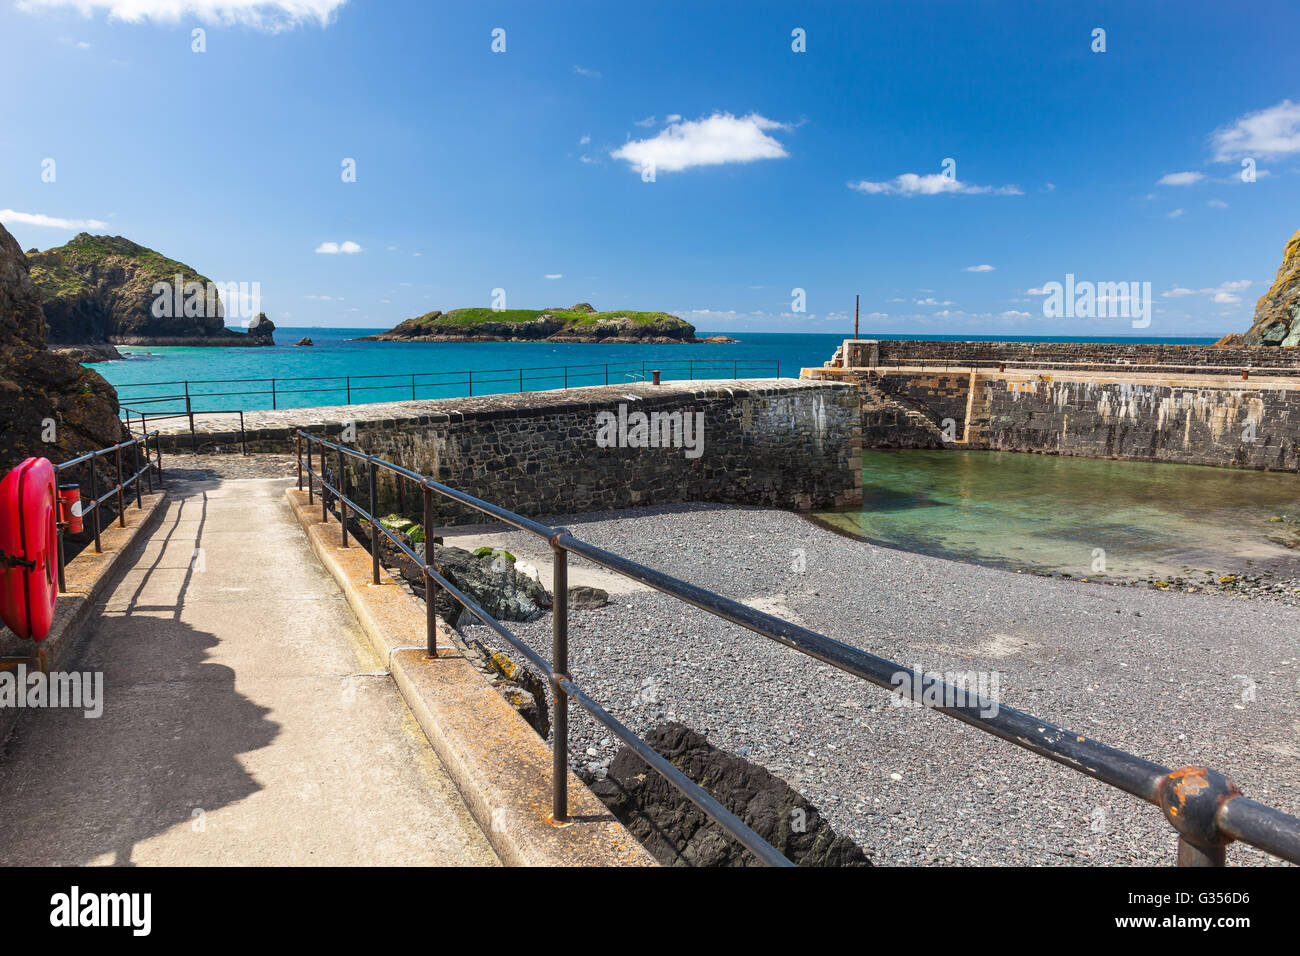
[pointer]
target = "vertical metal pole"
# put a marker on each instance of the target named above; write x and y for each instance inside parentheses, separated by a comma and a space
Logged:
(157, 447)
(121, 504)
(430, 592)
(298, 445)
(735, 369)
(606, 373)
(348, 385)
(273, 394)
(566, 376)
(375, 533)
(412, 388)
(343, 490)
(324, 506)
(58, 527)
(135, 472)
(521, 380)
(311, 499)
(692, 370)
(471, 382)
(148, 462)
(94, 497)
(399, 481)
(560, 665)
(1189, 854)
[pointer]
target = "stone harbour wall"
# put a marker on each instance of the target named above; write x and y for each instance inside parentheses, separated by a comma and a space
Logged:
(772, 442)
(869, 352)
(1237, 426)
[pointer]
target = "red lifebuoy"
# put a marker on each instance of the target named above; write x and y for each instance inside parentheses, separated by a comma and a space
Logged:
(29, 548)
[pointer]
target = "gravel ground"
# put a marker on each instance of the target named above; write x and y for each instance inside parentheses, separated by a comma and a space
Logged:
(1156, 673)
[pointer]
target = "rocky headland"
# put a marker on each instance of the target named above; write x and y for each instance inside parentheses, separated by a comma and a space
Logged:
(104, 290)
(580, 323)
(50, 406)
(1277, 313)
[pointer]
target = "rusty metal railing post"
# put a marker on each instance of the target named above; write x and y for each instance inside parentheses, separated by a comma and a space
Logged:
(157, 447)
(1191, 799)
(94, 498)
(148, 462)
(121, 498)
(311, 499)
(560, 668)
(298, 444)
(58, 537)
(374, 519)
(430, 587)
(342, 496)
(135, 472)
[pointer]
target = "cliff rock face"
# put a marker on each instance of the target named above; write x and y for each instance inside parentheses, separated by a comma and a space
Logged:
(43, 395)
(1277, 314)
(103, 289)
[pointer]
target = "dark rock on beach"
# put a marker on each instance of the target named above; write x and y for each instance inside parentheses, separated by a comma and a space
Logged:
(678, 833)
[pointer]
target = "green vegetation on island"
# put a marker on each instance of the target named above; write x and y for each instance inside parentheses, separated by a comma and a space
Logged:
(580, 323)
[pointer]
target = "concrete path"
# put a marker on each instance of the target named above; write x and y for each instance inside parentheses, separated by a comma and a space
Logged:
(245, 719)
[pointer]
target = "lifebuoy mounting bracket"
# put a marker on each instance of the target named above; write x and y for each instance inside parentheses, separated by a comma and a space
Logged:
(9, 561)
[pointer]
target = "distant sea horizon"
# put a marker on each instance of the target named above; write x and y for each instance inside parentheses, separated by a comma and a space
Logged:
(336, 368)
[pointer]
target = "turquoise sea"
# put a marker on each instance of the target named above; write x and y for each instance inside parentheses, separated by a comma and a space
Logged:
(1069, 515)
(227, 379)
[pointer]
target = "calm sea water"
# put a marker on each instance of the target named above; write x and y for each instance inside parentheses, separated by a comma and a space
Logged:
(441, 369)
(1059, 514)
(1018, 511)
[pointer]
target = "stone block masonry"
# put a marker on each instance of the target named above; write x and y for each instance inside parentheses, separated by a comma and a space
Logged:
(766, 442)
(1187, 416)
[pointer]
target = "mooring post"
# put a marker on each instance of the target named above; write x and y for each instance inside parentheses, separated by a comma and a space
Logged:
(560, 671)
(430, 588)
(374, 520)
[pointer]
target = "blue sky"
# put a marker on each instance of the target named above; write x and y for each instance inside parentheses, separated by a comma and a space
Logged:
(774, 170)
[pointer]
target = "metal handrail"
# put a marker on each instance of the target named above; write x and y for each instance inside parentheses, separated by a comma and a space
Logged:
(152, 463)
(409, 381)
(1204, 807)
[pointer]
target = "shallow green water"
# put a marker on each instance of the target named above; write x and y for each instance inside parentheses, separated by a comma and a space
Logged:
(1050, 513)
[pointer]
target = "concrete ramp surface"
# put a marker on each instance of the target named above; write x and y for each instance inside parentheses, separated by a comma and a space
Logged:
(245, 720)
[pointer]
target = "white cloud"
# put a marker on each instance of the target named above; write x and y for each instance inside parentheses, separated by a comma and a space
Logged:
(554, 275)
(1274, 131)
(1180, 179)
(1176, 213)
(269, 15)
(584, 140)
(1217, 204)
(980, 268)
(712, 141)
(583, 71)
(648, 122)
(54, 222)
(335, 248)
(1224, 293)
(931, 184)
